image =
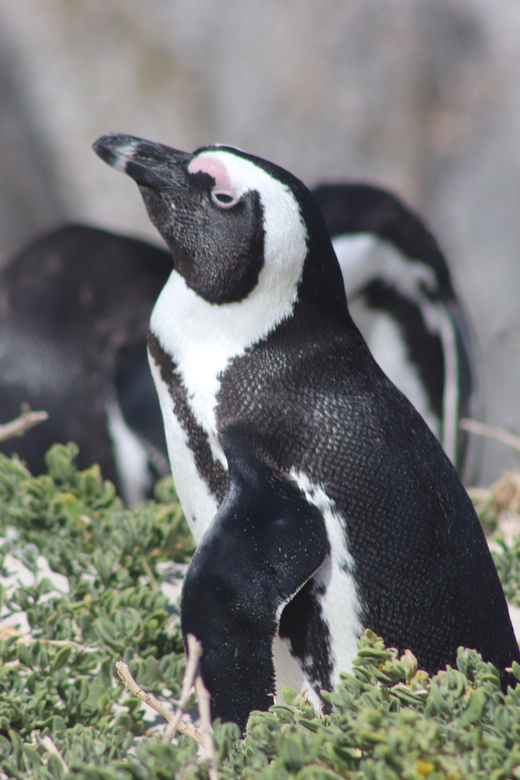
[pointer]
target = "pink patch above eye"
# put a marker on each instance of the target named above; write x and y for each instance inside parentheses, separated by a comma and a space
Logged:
(215, 169)
(223, 193)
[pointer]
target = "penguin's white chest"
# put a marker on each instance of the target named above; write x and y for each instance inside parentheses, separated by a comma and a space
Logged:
(188, 397)
(201, 340)
(198, 501)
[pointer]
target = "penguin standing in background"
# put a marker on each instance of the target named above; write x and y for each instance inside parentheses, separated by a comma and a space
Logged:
(402, 299)
(321, 502)
(74, 311)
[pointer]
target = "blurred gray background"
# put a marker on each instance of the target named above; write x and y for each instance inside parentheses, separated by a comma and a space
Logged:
(422, 96)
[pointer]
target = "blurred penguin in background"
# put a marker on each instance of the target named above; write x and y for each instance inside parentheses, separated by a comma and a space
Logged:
(74, 312)
(75, 307)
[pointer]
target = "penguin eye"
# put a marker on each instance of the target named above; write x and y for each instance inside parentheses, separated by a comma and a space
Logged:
(224, 199)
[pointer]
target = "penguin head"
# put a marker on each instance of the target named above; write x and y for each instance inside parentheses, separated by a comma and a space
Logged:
(233, 222)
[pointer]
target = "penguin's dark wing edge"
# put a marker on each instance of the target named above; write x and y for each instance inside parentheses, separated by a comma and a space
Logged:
(263, 545)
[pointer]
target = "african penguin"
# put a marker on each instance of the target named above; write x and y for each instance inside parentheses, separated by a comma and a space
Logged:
(74, 311)
(320, 500)
(402, 299)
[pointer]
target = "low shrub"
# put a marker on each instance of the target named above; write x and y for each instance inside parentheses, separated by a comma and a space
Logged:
(84, 585)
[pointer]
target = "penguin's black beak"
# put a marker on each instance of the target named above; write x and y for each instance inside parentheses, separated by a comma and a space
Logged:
(149, 164)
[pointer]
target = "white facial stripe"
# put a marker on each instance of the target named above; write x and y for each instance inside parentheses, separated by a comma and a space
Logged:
(356, 255)
(123, 155)
(203, 338)
(363, 257)
(385, 342)
(285, 231)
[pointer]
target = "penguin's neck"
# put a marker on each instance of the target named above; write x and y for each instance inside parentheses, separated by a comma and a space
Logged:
(202, 338)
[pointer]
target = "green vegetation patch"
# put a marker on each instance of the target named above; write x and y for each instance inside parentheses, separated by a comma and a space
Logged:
(64, 712)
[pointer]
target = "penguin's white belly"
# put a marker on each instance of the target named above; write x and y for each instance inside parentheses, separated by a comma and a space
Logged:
(199, 504)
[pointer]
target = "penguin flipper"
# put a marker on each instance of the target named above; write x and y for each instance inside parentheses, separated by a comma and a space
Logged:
(263, 545)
